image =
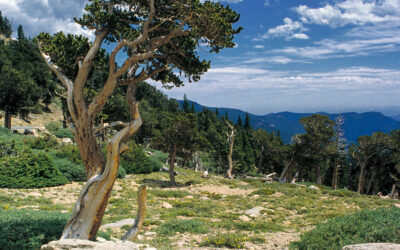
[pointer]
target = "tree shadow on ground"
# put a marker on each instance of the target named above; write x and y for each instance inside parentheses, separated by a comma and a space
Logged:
(166, 184)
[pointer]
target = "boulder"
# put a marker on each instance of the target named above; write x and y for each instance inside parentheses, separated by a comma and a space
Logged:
(66, 140)
(244, 218)
(373, 246)
(166, 205)
(254, 212)
(76, 244)
(313, 187)
(119, 223)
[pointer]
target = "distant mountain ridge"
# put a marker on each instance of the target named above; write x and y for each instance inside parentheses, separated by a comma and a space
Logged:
(355, 124)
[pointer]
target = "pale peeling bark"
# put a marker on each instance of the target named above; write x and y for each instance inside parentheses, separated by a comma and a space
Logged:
(92, 201)
(141, 213)
(231, 137)
(286, 175)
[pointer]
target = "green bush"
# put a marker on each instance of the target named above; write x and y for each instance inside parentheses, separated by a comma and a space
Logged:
(56, 129)
(366, 226)
(225, 240)
(135, 161)
(27, 229)
(192, 226)
(71, 171)
(70, 152)
(29, 170)
(41, 143)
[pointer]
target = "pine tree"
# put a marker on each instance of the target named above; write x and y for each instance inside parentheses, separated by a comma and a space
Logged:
(239, 122)
(185, 105)
(247, 125)
(5, 26)
(192, 108)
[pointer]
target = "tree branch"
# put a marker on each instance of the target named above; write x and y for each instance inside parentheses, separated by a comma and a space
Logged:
(84, 69)
(68, 84)
(104, 126)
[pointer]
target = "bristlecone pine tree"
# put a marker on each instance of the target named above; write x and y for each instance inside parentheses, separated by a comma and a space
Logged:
(160, 39)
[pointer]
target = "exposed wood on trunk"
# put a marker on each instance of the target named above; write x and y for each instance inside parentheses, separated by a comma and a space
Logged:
(286, 175)
(231, 138)
(392, 194)
(141, 213)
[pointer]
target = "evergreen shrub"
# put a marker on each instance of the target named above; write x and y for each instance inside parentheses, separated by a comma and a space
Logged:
(135, 161)
(366, 226)
(29, 170)
(28, 229)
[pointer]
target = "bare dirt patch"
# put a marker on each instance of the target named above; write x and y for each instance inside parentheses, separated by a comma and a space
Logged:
(221, 189)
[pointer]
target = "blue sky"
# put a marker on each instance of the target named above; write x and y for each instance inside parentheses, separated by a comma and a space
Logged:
(292, 55)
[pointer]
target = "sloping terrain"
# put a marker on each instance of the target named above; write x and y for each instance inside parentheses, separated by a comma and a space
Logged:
(207, 213)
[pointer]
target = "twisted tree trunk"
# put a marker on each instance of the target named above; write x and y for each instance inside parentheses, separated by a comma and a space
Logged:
(286, 175)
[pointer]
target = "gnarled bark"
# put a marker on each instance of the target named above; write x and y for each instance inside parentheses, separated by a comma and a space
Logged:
(286, 175)
(141, 213)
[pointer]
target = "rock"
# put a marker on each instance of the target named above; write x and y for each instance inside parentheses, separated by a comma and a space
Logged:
(150, 234)
(254, 212)
(396, 205)
(19, 131)
(66, 140)
(373, 246)
(244, 218)
(87, 244)
(204, 198)
(31, 131)
(119, 223)
(99, 239)
(313, 187)
(189, 197)
(150, 248)
(166, 205)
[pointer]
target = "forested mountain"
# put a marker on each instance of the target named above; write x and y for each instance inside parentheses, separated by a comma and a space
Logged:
(287, 123)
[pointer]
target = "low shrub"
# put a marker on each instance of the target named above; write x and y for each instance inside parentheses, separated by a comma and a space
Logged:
(41, 143)
(366, 226)
(29, 170)
(263, 191)
(70, 152)
(27, 229)
(228, 240)
(56, 129)
(191, 226)
(71, 171)
(135, 161)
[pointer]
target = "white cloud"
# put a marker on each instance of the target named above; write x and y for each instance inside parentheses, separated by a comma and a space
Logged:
(266, 3)
(289, 30)
(328, 48)
(258, 46)
(44, 15)
(355, 12)
(261, 91)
